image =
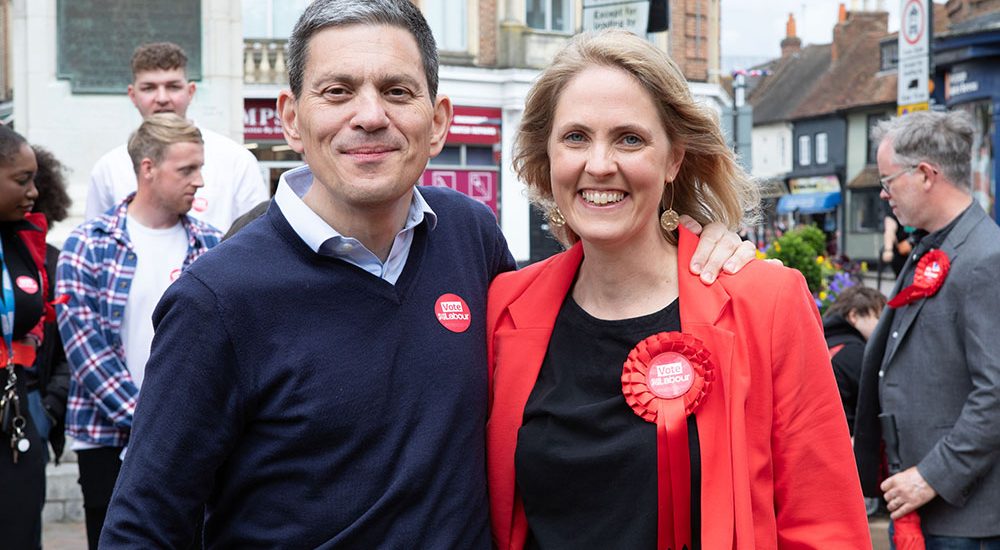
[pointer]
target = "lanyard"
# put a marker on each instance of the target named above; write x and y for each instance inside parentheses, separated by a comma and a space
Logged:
(7, 309)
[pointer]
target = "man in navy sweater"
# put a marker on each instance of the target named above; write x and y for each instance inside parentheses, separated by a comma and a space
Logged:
(319, 380)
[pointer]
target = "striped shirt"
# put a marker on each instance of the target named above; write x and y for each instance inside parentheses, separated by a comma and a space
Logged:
(95, 272)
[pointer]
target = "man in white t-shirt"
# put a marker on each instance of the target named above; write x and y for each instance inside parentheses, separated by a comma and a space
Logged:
(160, 85)
(113, 270)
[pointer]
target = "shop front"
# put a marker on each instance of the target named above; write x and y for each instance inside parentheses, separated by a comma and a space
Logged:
(813, 200)
(470, 160)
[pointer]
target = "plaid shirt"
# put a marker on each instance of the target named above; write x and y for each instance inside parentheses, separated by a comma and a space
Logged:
(95, 272)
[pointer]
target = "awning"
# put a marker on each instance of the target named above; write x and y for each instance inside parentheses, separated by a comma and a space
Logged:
(868, 177)
(808, 203)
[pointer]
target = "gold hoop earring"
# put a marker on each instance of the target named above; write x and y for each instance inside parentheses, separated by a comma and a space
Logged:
(669, 220)
(556, 218)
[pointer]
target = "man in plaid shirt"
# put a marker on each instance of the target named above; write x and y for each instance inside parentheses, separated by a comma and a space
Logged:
(113, 270)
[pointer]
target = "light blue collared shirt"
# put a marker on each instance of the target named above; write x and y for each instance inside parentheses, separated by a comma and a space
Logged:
(325, 240)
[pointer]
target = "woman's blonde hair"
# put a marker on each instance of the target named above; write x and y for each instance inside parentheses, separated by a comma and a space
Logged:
(710, 185)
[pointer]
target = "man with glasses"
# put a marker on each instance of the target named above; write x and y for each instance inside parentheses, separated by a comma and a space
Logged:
(933, 362)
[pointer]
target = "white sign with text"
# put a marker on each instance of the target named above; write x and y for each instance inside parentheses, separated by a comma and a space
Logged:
(616, 14)
(914, 51)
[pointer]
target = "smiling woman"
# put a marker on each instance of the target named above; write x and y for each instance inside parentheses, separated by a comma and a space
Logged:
(22, 260)
(633, 406)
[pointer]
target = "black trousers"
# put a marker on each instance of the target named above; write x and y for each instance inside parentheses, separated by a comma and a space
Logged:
(98, 472)
(22, 485)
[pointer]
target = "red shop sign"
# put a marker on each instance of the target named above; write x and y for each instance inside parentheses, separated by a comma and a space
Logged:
(475, 125)
(261, 121)
(478, 184)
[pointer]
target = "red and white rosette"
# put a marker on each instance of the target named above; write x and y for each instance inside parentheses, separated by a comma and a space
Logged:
(665, 378)
(931, 271)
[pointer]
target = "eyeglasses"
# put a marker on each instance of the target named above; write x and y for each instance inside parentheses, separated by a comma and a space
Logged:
(886, 181)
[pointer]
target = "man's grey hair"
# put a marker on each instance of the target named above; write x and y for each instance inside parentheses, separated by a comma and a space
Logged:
(940, 138)
(322, 14)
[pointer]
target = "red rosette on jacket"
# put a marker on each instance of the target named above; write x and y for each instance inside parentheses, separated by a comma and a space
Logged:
(931, 271)
(665, 379)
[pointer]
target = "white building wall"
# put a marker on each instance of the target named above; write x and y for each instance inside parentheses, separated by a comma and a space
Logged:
(771, 155)
(79, 128)
(857, 144)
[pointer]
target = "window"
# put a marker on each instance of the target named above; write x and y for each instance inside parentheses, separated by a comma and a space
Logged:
(448, 22)
(549, 15)
(460, 156)
(866, 210)
(450, 155)
(271, 18)
(890, 55)
(821, 148)
(873, 121)
(804, 150)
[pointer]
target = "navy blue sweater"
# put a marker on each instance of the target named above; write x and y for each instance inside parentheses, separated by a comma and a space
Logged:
(310, 404)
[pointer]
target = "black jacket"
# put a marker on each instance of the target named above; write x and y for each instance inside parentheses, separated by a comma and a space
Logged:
(846, 362)
(53, 370)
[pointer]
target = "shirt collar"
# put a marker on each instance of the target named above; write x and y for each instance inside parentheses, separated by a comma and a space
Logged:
(311, 228)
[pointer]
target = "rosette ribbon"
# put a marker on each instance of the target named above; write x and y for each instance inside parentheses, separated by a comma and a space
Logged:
(931, 271)
(665, 378)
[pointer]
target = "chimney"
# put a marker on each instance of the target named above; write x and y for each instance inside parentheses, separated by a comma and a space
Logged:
(838, 32)
(791, 44)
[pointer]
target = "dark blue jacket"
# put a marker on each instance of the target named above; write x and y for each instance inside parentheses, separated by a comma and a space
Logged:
(310, 404)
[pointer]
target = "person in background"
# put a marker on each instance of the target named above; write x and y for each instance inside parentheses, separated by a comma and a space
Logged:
(53, 371)
(847, 325)
(933, 361)
(633, 406)
(160, 84)
(896, 243)
(113, 270)
(22, 319)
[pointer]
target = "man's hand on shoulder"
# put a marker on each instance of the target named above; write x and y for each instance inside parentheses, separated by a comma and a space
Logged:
(718, 249)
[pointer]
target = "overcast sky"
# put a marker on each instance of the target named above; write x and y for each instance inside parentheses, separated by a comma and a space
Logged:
(752, 30)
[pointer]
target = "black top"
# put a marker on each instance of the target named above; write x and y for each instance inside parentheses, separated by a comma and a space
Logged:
(846, 362)
(925, 243)
(28, 306)
(585, 462)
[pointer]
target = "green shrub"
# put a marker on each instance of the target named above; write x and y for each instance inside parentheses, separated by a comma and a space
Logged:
(796, 249)
(814, 237)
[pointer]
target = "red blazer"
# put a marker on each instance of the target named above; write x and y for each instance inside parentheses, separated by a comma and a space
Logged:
(778, 470)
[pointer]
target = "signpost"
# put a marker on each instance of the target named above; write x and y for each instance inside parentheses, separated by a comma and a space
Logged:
(912, 92)
(630, 15)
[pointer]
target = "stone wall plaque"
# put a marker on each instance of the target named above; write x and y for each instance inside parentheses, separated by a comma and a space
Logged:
(96, 39)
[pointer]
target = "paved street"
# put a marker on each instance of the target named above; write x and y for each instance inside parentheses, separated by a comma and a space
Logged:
(72, 536)
(64, 536)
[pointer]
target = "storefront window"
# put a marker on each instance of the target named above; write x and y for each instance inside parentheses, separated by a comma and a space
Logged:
(451, 155)
(465, 155)
(984, 188)
(866, 210)
(479, 156)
